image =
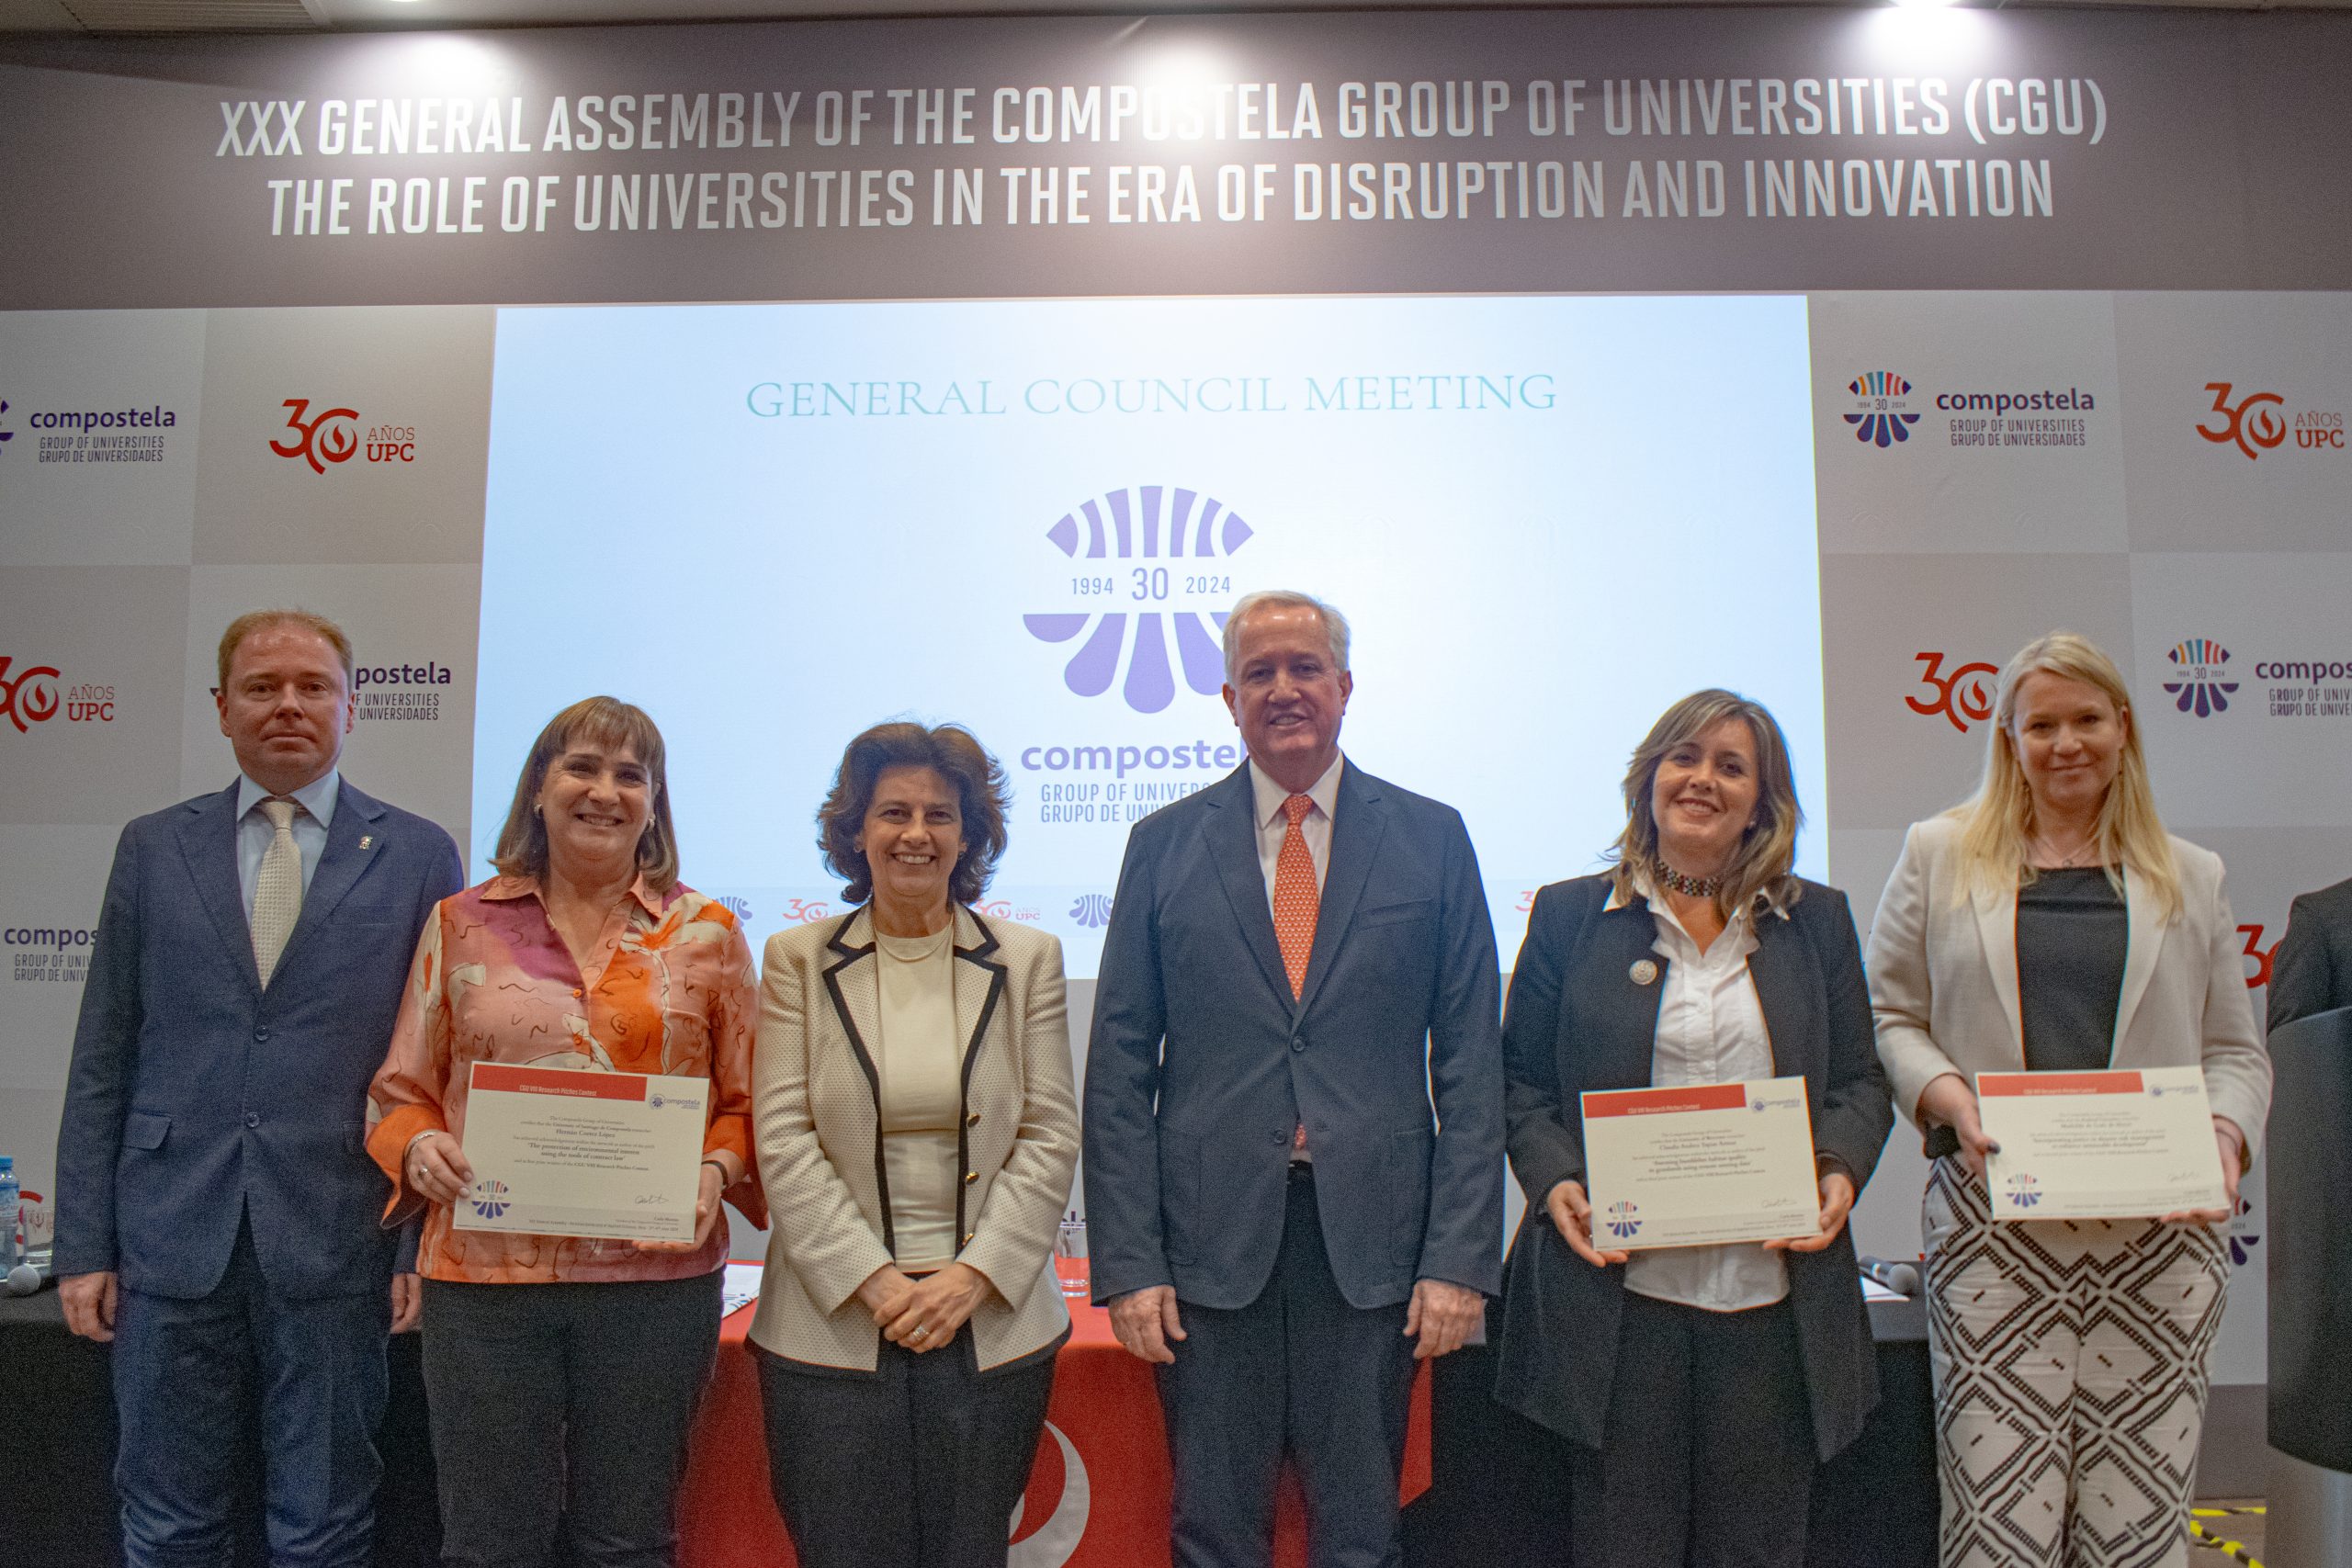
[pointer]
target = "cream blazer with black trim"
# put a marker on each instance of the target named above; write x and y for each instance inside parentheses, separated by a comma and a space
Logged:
(819, 1128)
(1943, 974)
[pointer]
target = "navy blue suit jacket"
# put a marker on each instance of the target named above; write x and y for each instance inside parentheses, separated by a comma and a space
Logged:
(196, 1095)
(1201, 1062)
(1579, 1021)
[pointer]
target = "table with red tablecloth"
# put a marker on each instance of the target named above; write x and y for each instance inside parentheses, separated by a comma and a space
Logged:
(1098, 1495)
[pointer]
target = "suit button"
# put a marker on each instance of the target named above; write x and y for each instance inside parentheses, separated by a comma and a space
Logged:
(1280, 1139)
(1298, 1042)
(973, 1120)
(260, 1035)
(253, 1118)
(970, 1177)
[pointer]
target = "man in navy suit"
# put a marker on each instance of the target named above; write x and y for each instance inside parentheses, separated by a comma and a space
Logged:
(1300, 960)
(217, 1216)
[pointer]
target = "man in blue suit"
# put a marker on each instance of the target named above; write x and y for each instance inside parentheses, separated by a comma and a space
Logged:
(217, 1216)
(1299, 961)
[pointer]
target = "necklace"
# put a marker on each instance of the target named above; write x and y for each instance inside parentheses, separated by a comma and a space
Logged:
(2067, 861)
(1689, 886)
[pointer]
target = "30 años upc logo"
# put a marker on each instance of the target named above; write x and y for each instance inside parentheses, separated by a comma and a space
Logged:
(1092, 910)
(1964, 697)
(2025, 1190)
(2258, 422)
(2201, 664)
(1180, 536)
(331, 436)
(1882, 415)
(489, 1198)
(30, 697)
(1623, 1220)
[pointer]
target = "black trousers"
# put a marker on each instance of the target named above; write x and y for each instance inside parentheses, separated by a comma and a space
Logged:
(1299, 1371)
(563, 1410)
(1708, 1462)
(918, 1464)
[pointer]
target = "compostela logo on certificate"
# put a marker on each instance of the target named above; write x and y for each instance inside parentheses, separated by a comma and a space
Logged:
(1168, 540)
(1882, 413)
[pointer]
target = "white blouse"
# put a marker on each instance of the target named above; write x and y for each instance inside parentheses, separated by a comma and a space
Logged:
(920, 1065)
(1710, 1030)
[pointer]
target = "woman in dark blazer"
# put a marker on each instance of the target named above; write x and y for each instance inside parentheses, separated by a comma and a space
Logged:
(1699, 1387)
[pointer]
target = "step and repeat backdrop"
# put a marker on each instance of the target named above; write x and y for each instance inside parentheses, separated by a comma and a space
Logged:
(785, 378)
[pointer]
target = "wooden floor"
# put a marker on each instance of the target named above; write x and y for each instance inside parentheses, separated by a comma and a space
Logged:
(2230, 1531)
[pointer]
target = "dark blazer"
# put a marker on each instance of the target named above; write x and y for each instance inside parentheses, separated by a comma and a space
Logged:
(195, 1094)
(2312, 970)
(1577, 1020)
(1201, 1062)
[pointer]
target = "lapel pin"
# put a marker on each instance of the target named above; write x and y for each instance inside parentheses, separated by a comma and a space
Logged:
(366, 839)
(1643, 972)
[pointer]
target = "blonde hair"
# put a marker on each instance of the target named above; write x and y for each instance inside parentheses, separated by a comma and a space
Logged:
(598, 721)
(251, 621)
(1998, 825)
(1758, 872)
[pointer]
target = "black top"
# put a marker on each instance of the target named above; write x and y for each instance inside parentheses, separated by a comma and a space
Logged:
(2072, 934)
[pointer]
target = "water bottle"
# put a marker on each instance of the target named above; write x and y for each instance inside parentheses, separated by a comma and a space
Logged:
(12, 1217)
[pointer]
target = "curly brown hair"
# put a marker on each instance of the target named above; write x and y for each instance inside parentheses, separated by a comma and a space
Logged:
(982, 792)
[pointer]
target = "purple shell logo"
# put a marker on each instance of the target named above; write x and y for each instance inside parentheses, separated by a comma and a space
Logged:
(1623, 1222)
(1882, 415)
(489, 1198)
(2201, 664)
(2244, 1238)
(1092, 910)
(1148, 522)
(2024, 1190)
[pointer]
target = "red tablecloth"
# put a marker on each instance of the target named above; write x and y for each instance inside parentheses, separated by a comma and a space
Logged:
(1098, 1495)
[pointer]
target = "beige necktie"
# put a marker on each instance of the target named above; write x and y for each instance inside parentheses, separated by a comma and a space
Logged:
(278, 891)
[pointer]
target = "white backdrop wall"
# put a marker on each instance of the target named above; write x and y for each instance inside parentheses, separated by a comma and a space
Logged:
(2179, 490)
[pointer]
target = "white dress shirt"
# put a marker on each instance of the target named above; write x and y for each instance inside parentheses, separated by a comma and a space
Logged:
(1710, 1029)
(316, 800)
(1315, 827)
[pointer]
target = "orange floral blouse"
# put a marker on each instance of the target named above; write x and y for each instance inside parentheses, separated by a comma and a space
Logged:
(670, 988)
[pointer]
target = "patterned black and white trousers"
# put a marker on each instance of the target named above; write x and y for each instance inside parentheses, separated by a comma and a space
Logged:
(2071, 1364)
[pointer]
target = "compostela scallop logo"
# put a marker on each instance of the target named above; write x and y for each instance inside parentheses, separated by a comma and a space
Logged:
(1882, 413)
(2201, 664)
(1172, 529)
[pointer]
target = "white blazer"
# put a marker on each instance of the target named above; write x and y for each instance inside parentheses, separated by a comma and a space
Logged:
(819, 1133)
(1943, 973)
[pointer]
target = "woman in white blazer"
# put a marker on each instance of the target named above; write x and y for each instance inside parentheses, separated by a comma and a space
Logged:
(917, 1131)
(2049, 923)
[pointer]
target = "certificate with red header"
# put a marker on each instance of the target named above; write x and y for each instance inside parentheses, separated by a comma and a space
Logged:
(2131, 1143)
(1697, 1165)
(558, 1152)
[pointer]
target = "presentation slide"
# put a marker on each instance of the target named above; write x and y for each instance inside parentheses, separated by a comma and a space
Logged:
(773, 526)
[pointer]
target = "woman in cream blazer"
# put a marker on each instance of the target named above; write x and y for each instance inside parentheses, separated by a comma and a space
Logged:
(910, 1335)
(2069, 1356)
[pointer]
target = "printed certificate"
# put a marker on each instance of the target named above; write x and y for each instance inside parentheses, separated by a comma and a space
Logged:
(2105, 1146)
(1702, 1164)
(568, 1153)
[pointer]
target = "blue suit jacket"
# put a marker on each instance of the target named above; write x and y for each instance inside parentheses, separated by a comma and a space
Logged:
(195, 1094)
(1201, 1062)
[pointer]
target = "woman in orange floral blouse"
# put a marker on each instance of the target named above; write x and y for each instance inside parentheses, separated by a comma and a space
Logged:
(563, 1372)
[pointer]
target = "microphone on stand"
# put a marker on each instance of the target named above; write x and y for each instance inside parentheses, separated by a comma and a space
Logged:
(1902, 1279)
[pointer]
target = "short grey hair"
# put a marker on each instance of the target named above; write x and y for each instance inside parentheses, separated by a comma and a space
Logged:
(1335, 625)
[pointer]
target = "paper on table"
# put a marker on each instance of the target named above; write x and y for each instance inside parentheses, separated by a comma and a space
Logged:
(2127, 1143)
(1706, 1163)
(579, 1153)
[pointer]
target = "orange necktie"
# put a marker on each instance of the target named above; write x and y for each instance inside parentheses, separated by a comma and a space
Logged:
(1297, 898)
